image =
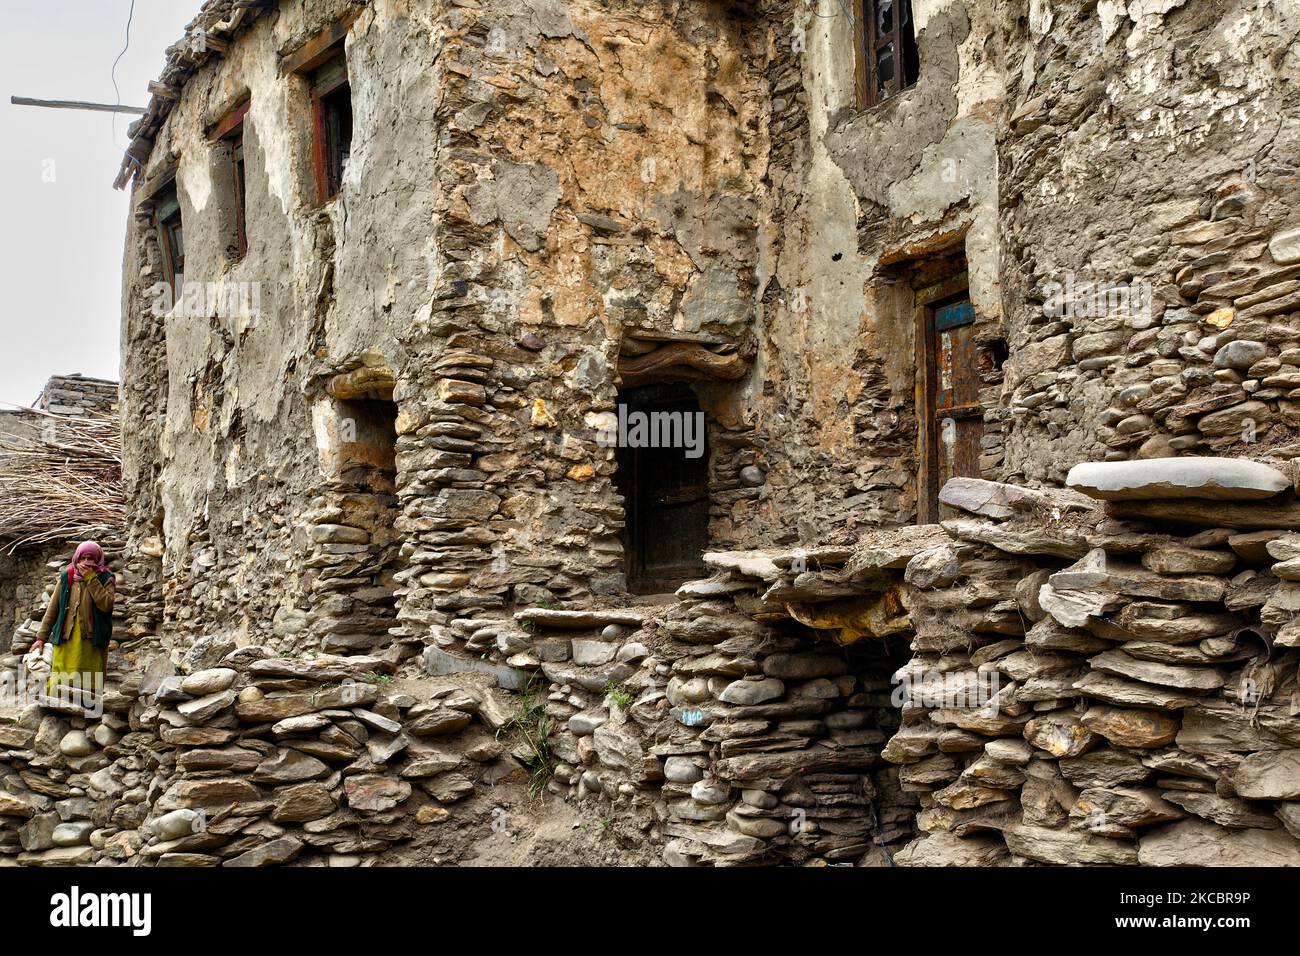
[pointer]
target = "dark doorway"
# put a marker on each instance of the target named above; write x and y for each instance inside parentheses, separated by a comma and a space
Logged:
(952, 416)
(665, 489)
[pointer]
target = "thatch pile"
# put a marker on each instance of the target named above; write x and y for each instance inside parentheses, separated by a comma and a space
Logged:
(61, 483)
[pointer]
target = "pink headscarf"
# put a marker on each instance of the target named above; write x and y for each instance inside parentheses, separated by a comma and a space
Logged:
(91, 550)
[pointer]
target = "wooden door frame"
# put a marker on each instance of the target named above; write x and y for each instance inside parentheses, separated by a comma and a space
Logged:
(925, 300)
(630, 479)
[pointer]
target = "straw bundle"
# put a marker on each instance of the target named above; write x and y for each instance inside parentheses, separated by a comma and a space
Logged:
(61, 483)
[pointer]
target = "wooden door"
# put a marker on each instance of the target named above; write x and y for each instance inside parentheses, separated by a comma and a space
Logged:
(665, 499)
(952, 417)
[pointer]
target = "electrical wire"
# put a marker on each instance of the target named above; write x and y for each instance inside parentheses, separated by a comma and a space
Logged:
(113, 73)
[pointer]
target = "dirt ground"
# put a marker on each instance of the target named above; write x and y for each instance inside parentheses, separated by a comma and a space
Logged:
(501, 823)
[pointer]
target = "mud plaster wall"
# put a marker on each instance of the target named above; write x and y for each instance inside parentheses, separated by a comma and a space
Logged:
(600, 163)
(533, 192)
(527, 185)
(222, 460)
(854, 194)
(1107, 143)
(536, 191)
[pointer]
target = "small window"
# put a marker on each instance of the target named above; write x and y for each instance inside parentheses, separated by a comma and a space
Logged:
(167, 216)
(230, 131)
(241, 193)
(888, 62)
(331, 98)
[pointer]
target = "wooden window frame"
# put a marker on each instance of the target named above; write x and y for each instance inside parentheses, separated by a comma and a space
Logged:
(329, 182)
(231, 122)
(321, 48)
(867, 44)
(305, 60)
(167, 185)
(230, 131)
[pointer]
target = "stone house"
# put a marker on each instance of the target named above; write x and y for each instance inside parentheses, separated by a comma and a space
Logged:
(398, 270)
(430, 249)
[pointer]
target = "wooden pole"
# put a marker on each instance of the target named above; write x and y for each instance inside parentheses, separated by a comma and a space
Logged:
(75, 105)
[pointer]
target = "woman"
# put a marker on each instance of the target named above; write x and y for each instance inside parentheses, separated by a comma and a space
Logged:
(79, 622)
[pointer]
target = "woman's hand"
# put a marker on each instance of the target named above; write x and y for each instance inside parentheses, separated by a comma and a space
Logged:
(86, 568)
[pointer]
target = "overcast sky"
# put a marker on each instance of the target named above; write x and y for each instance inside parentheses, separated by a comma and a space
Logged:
(61, 240)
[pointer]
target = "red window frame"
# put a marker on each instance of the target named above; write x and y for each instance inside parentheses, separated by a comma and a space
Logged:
(329, 172)
(320, 51)
(231, 131)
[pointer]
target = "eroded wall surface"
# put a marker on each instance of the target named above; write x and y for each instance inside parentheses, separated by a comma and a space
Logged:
(1148, 146)
(534, 195)
(578, 185)
(546, 198)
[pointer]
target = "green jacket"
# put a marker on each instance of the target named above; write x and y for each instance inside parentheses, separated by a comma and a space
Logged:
(96, 609)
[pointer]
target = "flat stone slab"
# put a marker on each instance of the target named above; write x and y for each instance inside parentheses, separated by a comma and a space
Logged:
(890, 549)
(325, 668)
(747, 564)
(1219, 479)
(710, 588)
(438, 663)
(579, 620)
(1197, 842)
(993, 499)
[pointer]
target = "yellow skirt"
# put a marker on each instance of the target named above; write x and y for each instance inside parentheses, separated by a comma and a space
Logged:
(78, 663)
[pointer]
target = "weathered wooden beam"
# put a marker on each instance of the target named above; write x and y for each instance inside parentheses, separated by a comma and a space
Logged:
(319, 48)
(76, 105)
(164, 90)
(203, 42)
(681, 362)
(124, 173)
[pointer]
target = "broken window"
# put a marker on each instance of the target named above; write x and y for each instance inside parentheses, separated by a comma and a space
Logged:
(952, 416)
(230, 132)
(167, 216)
(663, 476)
(888, 62)
(332, 104)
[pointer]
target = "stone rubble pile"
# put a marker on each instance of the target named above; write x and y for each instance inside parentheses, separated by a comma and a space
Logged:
(1133, 685)
(78, 395)
(244, 760)
(734, 724)
(1043, 678)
